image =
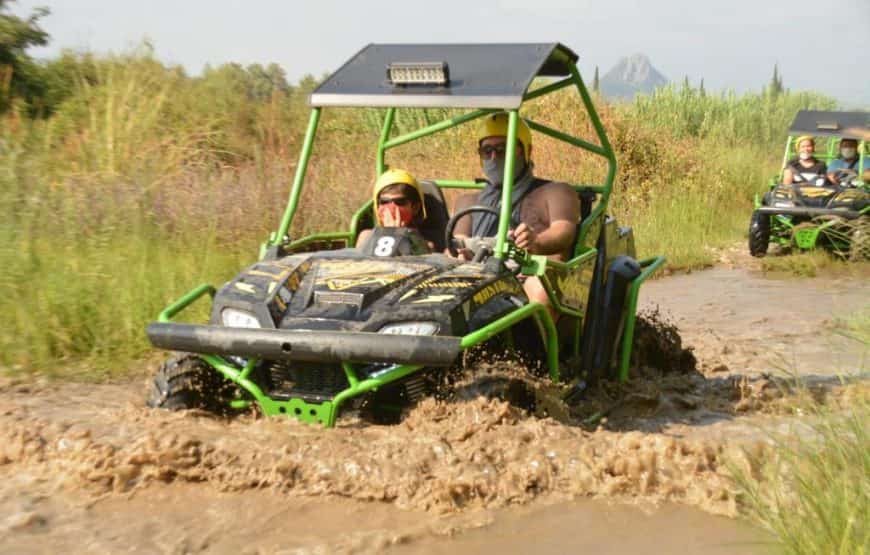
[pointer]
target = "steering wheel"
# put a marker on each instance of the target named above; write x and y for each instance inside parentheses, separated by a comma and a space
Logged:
(476, 244)
(845, 177)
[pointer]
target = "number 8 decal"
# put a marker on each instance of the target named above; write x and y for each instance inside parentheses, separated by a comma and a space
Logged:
(384, 246)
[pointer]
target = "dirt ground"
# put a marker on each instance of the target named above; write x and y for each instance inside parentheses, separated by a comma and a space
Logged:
(88, 469)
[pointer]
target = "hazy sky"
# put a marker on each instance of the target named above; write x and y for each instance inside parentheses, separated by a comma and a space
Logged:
(819, 45)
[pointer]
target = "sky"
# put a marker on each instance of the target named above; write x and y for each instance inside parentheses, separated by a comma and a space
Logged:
(822, 46)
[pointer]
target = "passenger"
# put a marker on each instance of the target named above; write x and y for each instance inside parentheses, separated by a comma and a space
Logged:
(544, 214)
(397, 202)
(845, 166)
(805, 168)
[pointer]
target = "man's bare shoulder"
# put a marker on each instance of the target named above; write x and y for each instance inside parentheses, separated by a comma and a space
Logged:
(554, 191)
(552, 201)
(553, 188)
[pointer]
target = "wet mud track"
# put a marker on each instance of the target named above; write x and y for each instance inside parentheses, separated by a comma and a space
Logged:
(87, 469)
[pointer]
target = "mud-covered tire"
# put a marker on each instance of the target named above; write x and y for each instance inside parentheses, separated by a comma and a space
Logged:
(513, 391)
(187, 382)
(759, 234)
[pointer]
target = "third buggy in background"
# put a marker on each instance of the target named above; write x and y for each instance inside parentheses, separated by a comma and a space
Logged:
(817, 211)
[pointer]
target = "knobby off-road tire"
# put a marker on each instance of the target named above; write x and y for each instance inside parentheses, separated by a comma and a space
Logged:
(859, 249)
(186, 382)
(759, 234)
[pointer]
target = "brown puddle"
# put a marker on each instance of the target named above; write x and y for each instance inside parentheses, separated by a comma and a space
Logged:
(619, 468)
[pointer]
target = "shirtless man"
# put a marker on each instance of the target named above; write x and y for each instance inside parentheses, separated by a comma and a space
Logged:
(544, 213)
(804, 168)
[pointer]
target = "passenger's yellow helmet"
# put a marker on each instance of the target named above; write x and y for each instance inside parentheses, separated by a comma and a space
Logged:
(496, 125)
(396, 176)
(802, 138)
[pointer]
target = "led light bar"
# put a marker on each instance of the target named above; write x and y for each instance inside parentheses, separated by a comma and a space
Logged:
(419, 73)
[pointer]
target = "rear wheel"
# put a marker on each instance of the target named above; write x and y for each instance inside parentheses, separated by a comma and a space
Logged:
(859, 249)
(187, 382)
(759, 234)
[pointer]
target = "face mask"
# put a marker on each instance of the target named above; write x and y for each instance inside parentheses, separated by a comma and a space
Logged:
(493, 169)
(396, 216)
(806, 155)
(848, 152)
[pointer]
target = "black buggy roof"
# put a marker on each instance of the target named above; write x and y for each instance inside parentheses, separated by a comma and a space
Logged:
(480, 75)
(854, 125)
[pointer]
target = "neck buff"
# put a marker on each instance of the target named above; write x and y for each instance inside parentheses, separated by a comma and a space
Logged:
(402, 216)
(486, 225)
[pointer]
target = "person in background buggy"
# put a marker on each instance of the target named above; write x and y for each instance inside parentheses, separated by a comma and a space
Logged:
(805, 168)
(843, 169)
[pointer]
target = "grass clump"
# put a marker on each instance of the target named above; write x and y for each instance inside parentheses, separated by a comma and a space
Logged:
(812, 490)
(811, 487)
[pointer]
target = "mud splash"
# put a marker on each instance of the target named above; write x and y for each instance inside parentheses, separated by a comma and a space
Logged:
(443, 458)
(79, 457)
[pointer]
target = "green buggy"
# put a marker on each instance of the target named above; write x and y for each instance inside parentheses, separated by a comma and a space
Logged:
(316, 327)
(817, 212)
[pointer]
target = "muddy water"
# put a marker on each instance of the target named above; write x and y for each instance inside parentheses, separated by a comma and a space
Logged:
(87, 469)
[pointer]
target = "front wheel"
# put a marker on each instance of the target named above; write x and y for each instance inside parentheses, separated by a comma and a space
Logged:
(187, 382)
(759, 234)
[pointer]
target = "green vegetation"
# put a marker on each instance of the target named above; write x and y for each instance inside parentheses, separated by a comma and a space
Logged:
(810, 487)
(124, 182)
(811, 490)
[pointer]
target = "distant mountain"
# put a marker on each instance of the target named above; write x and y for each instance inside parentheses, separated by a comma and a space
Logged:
(630, 76)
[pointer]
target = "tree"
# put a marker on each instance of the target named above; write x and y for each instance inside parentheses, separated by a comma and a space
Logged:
(20, 76)
(595, 83)
(775, 87)
(701, 90)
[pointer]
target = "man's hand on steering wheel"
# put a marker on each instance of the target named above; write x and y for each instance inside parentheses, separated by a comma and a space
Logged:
(524, 237)
(844, 176)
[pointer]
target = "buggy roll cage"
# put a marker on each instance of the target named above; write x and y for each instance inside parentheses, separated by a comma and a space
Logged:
(480, 88)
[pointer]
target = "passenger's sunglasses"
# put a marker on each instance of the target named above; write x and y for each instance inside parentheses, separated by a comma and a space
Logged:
(487, 150)
(398, 201)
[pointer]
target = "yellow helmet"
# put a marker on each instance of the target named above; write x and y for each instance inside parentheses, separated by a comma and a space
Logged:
(396, 176)
(496, 125)
(802, 138)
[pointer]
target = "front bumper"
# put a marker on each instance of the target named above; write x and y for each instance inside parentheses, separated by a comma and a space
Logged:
(308, 346)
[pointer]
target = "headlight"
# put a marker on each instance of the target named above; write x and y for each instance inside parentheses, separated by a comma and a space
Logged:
(783, 204)
(410, 328)
(235, 318)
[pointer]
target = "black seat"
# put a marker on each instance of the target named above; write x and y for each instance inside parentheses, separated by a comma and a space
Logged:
(436, 215)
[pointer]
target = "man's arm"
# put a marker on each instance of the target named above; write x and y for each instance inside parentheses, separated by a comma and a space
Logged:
(463, 226)
(563, 210)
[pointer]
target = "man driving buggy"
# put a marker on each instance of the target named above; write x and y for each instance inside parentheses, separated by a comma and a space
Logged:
(844, 168)
(544, 213)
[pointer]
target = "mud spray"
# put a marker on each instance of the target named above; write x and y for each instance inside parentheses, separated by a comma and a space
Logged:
(526, 440)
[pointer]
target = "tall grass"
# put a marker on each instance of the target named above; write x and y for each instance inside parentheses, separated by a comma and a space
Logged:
(811, 488)
(813, 493)
(145, 181)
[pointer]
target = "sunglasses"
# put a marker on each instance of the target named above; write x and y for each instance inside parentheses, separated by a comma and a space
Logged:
(398, 201)
(487, 150)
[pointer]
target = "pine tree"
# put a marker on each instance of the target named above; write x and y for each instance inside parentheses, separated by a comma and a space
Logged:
(775, 87)
(595, 83)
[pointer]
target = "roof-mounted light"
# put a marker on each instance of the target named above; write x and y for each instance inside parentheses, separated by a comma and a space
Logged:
(418, 73)
(827, 125)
